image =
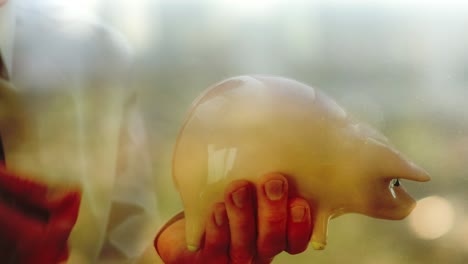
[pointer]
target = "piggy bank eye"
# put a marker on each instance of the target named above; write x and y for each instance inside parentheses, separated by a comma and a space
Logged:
(395, 182)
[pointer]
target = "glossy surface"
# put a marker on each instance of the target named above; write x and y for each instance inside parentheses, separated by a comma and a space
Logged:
(247, 126)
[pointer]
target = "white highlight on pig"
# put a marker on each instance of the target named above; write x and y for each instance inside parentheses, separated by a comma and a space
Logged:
(220, 162)
(432, 218)
(392, 191)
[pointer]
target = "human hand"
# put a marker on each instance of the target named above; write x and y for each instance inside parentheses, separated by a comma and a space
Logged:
(249, 227)
(35, 221)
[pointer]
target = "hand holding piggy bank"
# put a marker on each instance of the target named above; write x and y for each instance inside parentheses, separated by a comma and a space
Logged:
(247, 126)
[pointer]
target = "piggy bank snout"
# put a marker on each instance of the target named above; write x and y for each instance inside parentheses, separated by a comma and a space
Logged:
(398, 211)
(390, 201)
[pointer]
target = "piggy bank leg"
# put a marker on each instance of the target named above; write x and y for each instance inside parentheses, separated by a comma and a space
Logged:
(195, 227)
(319, 235)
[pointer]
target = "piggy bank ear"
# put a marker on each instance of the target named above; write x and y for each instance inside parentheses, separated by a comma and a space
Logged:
(392, 164)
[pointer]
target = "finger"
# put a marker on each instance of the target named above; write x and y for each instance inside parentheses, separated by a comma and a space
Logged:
(299, 225)
(66, 207)
(21, 188)
(31, 193)
(217, 236)
(30, 232)
(58, 200)
(241, 213)
(64, 217)
(171, 244)
(272, 195)
(18, 227)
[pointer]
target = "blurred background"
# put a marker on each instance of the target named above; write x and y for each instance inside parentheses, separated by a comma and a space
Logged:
(401, 66)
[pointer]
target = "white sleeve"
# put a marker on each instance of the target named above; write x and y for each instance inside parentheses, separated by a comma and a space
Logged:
(133, 219)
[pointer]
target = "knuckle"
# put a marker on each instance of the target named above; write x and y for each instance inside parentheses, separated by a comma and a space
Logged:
(296, 250)
(271, 245)
(297, 247)
(271, 251)
(274, 218)
(241, 257)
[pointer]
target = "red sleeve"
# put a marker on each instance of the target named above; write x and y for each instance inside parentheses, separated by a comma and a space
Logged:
(35, 221)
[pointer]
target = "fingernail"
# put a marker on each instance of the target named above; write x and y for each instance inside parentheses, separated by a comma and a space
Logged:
(274, 189)
(240, 197)
(298, 213)
(219, 216)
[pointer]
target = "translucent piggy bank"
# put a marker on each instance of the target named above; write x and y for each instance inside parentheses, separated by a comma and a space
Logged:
(247, 126)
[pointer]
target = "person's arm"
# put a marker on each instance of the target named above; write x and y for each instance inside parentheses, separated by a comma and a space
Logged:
(35, 220)
(253, 225)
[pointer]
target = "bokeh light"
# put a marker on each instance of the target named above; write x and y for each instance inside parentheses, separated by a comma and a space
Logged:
(433, 217)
